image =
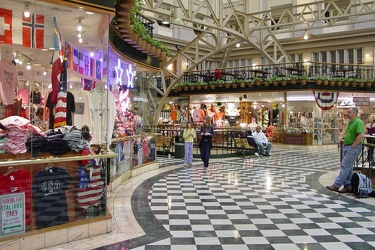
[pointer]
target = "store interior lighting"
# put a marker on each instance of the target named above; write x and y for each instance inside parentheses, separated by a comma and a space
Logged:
(79, 26)
(91, 53)
(26, 12)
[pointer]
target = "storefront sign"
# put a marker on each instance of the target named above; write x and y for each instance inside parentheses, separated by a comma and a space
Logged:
(361, 101)
(12, 207)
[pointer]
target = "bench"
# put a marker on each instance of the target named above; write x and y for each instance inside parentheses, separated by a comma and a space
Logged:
(242, 145)
(164, 143)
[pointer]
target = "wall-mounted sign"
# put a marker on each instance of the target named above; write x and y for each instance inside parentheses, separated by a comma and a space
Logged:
(361, 101)
(12, 209)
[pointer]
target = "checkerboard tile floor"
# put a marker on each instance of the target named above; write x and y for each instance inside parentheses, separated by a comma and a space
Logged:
(253, 203)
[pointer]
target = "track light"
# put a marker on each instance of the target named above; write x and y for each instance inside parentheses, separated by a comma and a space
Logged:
(26, 12)
(28, 66)
(79, 26)
(80, 40)
(91, 53)
(79, 35)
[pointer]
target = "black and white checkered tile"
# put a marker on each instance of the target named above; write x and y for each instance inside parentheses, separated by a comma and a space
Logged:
(251, 203)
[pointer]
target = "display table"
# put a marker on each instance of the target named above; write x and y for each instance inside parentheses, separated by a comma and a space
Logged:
(295, 139)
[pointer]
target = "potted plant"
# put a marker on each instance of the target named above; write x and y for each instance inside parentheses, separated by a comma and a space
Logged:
(339, 81)
(185, 85)
(234, 83)
(242, 83)
(293, 79)
(346, 82)
(212, 84)
(227, 84)
(257, 81)
(272, 80)
(220, 83)
(369, 83)
(283, 80)
(199, 85)
(353, 82)
(205, 85)
(303, 79)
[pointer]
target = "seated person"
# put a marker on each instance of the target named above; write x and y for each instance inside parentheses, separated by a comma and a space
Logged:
(262, 142)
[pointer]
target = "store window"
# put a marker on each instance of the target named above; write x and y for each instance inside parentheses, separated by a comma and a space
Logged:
(56, 124)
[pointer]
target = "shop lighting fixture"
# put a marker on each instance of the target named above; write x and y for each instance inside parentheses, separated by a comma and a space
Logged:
(177, 14)
(165, 20)
(80, 40)
(79, 35)
(91, 53)
(79, 26)
(238, 45)
(26, 12)
(28, 66)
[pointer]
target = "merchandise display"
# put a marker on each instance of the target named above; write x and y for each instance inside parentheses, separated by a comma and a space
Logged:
(49, 186)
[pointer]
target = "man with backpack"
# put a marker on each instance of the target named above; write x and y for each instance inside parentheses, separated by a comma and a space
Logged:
(352, 147)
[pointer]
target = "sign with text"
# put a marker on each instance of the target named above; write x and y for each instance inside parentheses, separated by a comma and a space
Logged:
(361, 101)
(12, 209)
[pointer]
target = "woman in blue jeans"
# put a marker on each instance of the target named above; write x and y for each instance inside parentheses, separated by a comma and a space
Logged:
(205, 145)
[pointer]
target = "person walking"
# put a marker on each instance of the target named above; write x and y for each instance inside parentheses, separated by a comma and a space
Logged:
(189, 135)
(205, 145)
(262, 141)
(351, 149)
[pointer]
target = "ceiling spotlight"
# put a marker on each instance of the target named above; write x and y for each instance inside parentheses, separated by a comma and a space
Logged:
(79, 26)
(80, 40)
(91, 53)
(26, 12)
(28, 66)
(306, 36)
(79, 35)
(177, 14)
(45, 72)
(238, 45)
(165, 20)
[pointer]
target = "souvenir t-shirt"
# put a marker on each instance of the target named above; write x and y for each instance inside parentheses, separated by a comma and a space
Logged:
(18, 181)
(49, 186)
(8, 82)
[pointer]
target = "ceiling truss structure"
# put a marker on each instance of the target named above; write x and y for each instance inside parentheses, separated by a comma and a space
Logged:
(220, 26)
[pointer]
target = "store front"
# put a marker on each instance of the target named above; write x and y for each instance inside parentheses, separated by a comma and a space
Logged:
(57, 118)
(297, 118)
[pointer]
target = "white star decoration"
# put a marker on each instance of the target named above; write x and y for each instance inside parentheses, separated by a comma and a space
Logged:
(119, 72)
(130, 75)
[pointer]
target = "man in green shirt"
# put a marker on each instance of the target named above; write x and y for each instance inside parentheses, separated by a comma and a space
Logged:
(354, 134)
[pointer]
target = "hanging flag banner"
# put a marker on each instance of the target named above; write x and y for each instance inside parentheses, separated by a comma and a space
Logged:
(325, 100)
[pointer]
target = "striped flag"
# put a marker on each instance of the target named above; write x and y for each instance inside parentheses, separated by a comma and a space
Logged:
(60, 109)
(33, 31)
(92, 67)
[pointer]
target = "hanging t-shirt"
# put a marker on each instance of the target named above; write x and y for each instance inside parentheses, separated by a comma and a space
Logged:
(24, 95)
(18, 181)
(81, 114)
(93, 192)
(36, 97)
(49, 186)
(8, 82)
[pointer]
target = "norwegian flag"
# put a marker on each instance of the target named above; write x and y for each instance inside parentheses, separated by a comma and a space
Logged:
(33, 31)
(6, 26)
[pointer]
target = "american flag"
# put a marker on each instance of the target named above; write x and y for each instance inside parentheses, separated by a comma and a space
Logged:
(60, 113)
